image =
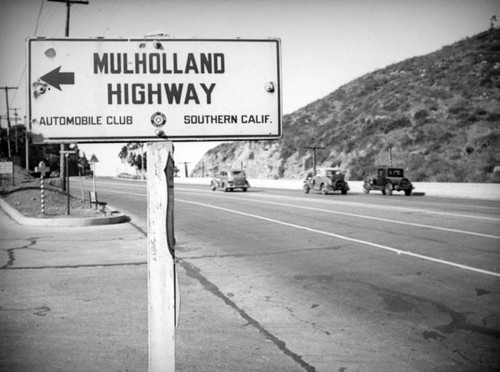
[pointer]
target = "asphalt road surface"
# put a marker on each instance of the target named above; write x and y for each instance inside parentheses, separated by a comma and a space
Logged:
(344, 282)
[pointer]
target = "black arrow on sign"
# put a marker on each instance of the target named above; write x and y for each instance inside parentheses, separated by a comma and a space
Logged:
(57, 78)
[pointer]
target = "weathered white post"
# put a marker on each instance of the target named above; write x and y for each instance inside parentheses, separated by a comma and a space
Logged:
(93, 160)
(162, 294)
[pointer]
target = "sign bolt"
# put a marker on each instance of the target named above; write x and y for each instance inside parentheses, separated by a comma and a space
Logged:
(270, 87)
(160, 133)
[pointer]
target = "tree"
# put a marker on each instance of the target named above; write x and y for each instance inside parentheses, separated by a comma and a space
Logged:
(493, 20)
(135, 156)
(48, 153)
(84, 165)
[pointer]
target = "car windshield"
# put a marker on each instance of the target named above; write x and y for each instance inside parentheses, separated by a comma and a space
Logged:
(331, 173)
(237, 173)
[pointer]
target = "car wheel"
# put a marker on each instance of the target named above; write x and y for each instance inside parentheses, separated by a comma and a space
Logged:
(388, 189)
(344, 191)
(213, 186)
(244, 189)
(306, 189)
(408, 192)
(366, 189)
(323, 190)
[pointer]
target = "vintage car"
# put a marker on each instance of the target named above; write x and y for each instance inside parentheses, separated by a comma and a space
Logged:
(387, 180)
(230, 180)
(326, 180)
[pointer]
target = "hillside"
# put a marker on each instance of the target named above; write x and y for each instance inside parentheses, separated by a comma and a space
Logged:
(437, 115)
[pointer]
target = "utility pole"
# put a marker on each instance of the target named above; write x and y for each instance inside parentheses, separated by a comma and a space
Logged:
(314, 148)
(68, 4)
(4, 117)
(8, 117)
(185, 168)
(16, 119)
(62, 168)
(26, 144)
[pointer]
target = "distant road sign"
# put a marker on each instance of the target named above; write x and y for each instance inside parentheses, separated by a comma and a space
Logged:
(6, 167)
(119, 90)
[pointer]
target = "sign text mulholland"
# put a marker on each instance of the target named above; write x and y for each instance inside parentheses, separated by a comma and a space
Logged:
(118, 90)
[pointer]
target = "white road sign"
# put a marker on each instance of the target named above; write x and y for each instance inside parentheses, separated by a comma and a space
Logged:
(6, 167)
(118, 90)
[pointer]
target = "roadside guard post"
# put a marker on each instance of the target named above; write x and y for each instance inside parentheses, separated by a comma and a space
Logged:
(42, 169)
(155, 90)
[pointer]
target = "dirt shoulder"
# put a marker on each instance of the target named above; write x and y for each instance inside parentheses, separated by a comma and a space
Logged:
(28, 201)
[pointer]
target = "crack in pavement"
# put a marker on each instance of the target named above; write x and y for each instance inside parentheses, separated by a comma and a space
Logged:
(11, 259)
(195, 273)
(290, 251)
(40, 311)
(11, 256)
(75, 266)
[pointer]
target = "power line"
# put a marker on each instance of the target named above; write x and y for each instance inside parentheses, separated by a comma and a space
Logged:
(38, 18)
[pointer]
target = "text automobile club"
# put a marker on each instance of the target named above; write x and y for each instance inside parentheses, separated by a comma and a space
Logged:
(158, 93)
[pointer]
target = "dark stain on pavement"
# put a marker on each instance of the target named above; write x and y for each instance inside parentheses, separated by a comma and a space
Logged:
(398, 302)
(432, 334)
(481, 292)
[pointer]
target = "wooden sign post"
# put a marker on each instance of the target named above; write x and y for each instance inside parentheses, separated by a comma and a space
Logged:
(162, 288)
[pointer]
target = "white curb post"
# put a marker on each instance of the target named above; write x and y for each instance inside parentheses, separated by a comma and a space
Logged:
(161, 269)
(42, 169)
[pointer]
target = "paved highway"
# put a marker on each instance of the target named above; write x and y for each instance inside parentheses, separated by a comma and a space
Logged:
(344, 282)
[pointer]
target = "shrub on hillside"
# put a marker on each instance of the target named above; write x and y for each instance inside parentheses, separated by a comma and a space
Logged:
(421, 115)
(494, 116)
(398, 123)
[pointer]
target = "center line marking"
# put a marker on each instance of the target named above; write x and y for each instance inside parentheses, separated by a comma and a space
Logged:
(363, 242)
(382, 219)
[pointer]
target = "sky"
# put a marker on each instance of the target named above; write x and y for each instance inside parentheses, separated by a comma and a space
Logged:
(325, 43)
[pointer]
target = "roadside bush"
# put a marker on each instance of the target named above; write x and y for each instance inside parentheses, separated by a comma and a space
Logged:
(421, 115)
(361, 167)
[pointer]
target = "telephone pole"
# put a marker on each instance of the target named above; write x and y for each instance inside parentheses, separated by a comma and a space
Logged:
(186, 168)
(8, 117)
(68, 4)
(314, 148)
(62, 168)
(16, 119)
